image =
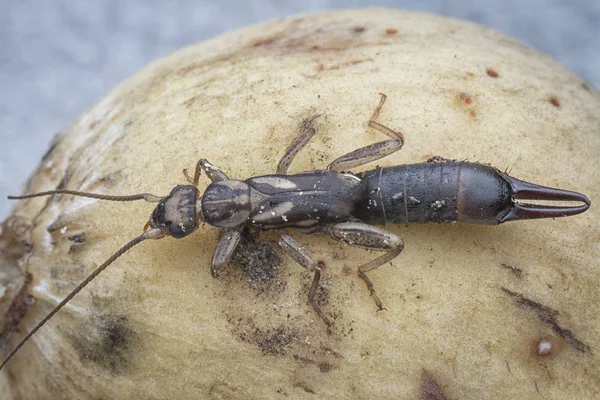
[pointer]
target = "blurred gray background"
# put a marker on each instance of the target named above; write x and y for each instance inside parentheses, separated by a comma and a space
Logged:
(57, 57)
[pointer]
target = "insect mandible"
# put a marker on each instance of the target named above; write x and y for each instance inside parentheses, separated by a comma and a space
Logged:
(343, 204)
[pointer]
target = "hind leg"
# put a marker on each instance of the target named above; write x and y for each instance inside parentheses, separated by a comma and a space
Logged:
(370, 237)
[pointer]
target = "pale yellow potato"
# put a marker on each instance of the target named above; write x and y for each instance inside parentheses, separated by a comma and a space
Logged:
(155, 324)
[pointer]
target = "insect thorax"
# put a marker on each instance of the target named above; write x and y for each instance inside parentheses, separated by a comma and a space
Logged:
(226, 204)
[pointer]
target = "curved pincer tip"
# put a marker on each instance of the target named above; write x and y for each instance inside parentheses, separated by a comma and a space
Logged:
(521, 190)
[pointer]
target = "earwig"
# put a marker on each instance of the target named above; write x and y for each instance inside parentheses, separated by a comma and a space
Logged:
(343, 204)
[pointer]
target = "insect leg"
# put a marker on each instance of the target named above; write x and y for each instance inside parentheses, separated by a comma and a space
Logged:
(302, 257)
(370, 237)
(224, 251)
(213, 173)
(308, 128)
(374, 151)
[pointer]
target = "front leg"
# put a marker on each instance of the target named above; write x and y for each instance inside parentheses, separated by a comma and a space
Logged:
(224, 251)
(308, 129)
(213, 173)
(370, 237)
(302, 257)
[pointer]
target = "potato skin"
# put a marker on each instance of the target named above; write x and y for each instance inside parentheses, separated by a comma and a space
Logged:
(156, 325)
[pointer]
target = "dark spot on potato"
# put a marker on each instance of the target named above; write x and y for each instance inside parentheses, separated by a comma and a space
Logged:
(430, 390)
(548, 316)
(259, 261)
(586, 87)
(17, 309)
(554, 101)
(492, 72)
(107, 341)
(78, 237)
(325, 367)
(465, 98)
(49, 151)
(359, 29)
(55, 142)
(15, 239)
(78, 240)
(472, 113)
(265, 41)
(275, 343)
(304, 387)
(272, 342)
(391, 31)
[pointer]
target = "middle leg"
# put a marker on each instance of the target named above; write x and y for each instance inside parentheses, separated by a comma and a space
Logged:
(370, 237)
(302, 257)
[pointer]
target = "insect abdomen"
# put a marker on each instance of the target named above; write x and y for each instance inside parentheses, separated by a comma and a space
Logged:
(413, 193)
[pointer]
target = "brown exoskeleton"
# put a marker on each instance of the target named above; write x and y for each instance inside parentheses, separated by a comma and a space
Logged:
(343, 204)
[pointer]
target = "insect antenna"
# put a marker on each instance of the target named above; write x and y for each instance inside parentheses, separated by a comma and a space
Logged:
(155, 233)
(141, 196)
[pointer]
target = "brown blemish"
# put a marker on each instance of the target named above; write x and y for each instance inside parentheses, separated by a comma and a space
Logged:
(554, 101)
(265, 41)
(466, 102)
(15, 237)
(470, 75)
(17, 310)
(297, 40)
(430, 390)
(548, 316)
(492, 73)
(466, 98)
(333, 67)
(391, 31)
(518, 272)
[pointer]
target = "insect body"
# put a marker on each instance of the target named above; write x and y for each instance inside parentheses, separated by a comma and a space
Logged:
(343, 204)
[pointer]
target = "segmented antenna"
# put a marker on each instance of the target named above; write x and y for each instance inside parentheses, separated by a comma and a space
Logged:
(141, 196)
(154, 233)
